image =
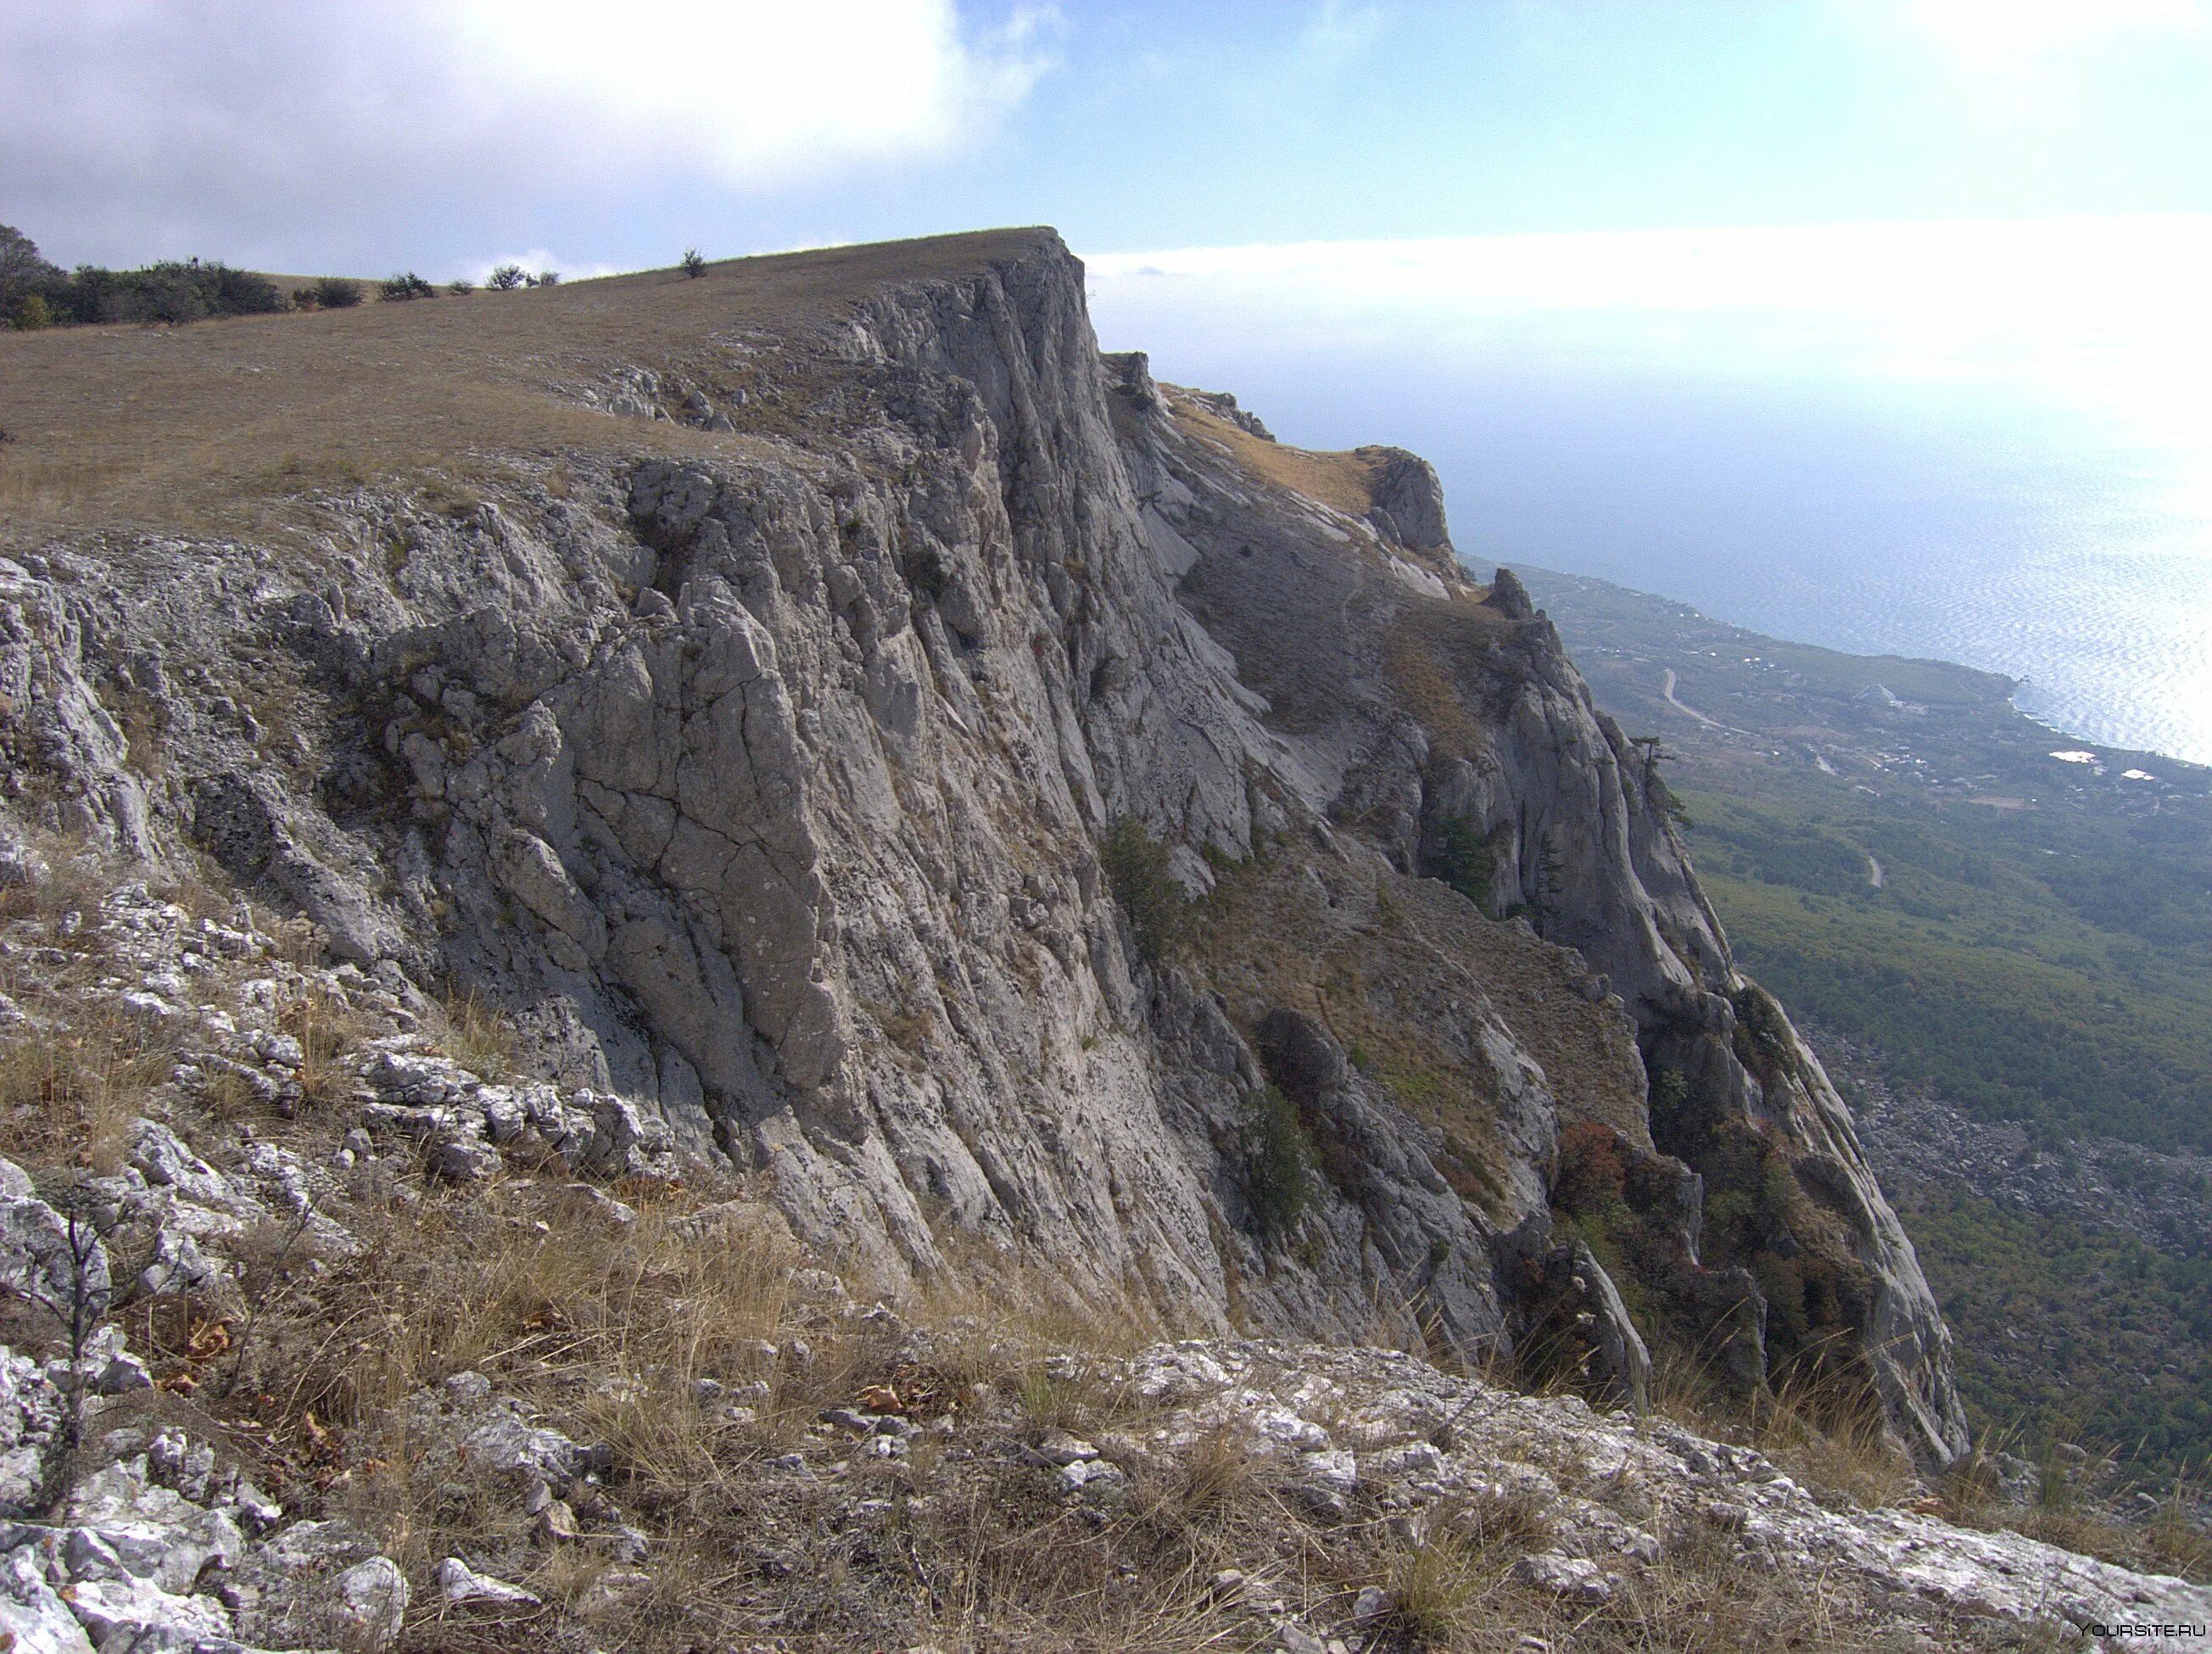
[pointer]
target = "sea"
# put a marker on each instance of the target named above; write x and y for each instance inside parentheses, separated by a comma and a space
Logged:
(2018, 482)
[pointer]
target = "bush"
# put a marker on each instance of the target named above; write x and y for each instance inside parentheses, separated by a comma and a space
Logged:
(242, 292)
(546, 278)
(35, 294)
(1464, 859)
(1279, 1155)
(1136, 866)
(694, 266)
(506, 278)
(172, 291)
(396, 289)
(161, 293)
(1593, 1176)
(336, 292)
(460, 290)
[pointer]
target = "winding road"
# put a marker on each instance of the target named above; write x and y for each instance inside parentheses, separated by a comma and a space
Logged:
(1667, 693)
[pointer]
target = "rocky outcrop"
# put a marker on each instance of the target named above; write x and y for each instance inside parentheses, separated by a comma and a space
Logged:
(765, 782)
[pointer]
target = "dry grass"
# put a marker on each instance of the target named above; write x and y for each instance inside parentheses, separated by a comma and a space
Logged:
(616, 1333)
(1971, 1494)
(477, 1034)
(1820, 1424)
(225, 427)
(1344, 481)
(74, 1075)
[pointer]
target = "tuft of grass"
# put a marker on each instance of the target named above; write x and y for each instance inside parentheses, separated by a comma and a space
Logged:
(1439, 1590)
(326, 1030)
(477, 1034)
(1820, 1424)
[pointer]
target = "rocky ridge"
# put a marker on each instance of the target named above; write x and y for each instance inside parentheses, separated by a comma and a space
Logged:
(765, 788)
(1403, 1495)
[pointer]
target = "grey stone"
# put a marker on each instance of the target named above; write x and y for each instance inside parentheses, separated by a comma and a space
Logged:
(459, 1583)
(1575, 1578)
(372, 1601)
(32, 1618)
(706, 788)
(507, 1445)
(459, 1160)
(1372, 1607)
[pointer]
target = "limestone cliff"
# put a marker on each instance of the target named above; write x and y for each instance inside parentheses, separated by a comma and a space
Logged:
(758, 751)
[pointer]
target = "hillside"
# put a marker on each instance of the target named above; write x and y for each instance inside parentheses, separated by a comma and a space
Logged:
(1006, 831)
(2021, 1008)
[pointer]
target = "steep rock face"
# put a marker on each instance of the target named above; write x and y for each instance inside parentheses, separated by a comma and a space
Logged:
(1458, 738)
(768, 786)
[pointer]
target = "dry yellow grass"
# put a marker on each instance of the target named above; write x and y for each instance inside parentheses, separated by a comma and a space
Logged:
(226, 426)
(1343, 480)
(1383, 972)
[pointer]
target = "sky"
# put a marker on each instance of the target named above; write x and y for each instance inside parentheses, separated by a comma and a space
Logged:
(1876, 323)
(444, 134)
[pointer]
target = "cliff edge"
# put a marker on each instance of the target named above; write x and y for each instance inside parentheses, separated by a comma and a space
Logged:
(1034, 818)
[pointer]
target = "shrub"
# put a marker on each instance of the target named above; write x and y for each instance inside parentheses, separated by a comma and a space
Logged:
(242, 292)
(694, 266)
(460, 290)
(35, 294)
(506, 278)
(1279, 1155)
(1136, 866)
(546, 278)
(1464, 859)
(23, 274)
(1762, 1042)
(336, 292)
(303, 298)
(406, 286)
(1593, 1175)
(164, 292)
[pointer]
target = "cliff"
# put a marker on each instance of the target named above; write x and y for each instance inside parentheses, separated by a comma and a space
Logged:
(785, 693)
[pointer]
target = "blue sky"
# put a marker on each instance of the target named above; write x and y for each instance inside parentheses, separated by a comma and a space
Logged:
(373, 133)
(1824, 299)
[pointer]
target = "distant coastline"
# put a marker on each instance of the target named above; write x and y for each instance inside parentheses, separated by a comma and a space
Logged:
(2118, 757)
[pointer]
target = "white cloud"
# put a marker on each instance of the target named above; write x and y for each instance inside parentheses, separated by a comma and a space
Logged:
(2102, 311)
(182, 121)
(748, 89)
(1993, 32)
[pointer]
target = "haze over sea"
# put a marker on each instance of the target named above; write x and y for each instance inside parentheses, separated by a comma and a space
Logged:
(1989, 443)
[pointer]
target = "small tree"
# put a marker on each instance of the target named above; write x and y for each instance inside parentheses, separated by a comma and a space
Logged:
(33, 313)
(694, 266)
(1136, 866)
(546, 278)
(336, 292)
(1277, 1157)
(460, 290)
(407, 285)
(506, 278)
(63, 1270)
(22, 272)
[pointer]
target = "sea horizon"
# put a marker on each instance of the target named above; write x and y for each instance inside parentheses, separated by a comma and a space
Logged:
(1981, 444)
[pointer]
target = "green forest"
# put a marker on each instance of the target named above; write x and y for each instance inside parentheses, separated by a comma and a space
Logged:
(2067, 989)
(2028, 937)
